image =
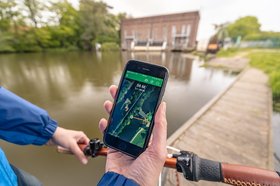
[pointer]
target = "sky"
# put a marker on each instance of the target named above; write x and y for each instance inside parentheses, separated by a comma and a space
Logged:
(211, 11)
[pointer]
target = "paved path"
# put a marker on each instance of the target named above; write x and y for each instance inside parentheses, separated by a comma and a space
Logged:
(237, 63)
(234, 127)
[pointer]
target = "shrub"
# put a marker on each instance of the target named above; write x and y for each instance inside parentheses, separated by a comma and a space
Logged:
(110, 46)
(269, 62)
(6, 41)
(227, 52)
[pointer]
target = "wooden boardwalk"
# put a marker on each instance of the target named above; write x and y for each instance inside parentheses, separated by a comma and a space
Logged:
(235, 127)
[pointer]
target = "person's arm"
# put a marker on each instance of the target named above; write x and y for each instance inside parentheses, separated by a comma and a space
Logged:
(115, 179)
(22, 122)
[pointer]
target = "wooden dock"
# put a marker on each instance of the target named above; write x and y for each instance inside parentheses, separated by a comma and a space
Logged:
(234, 127)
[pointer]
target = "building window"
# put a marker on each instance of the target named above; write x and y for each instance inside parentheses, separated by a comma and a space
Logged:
(188, 30)
(164, 33)
(184, 30)
(155, 36)
(173, 30)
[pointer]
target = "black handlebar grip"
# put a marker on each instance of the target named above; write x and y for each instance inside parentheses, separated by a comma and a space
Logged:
(208, 170)
(195, 168)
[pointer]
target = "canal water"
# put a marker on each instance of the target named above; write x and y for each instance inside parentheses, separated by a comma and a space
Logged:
(72, 87)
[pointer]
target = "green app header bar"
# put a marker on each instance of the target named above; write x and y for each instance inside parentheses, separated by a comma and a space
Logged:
(144, 78)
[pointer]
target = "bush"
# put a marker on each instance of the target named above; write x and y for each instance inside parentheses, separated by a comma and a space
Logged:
(274, 81)
(273, 37)
(72, 48)
(26, 42)
(110, 46)
(263, 36)
(6, 41)
(6, 49)
(230, 52)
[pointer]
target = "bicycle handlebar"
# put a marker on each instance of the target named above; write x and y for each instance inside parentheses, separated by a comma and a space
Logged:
(195, 168)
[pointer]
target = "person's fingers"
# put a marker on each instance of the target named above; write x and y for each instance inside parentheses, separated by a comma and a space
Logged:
(108, 105)
(63, 150)
(83, 139)
(160, 128)
(113, 91)
(103, 125)
(78, 153)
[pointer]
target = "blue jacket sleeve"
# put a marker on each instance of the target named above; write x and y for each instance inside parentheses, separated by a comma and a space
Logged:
(114, 179)
(22, 122)
(7, 175)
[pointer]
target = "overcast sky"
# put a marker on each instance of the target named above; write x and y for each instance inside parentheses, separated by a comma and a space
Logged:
(211, 11)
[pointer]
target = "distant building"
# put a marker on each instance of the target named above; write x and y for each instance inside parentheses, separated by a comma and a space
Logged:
(164, 32)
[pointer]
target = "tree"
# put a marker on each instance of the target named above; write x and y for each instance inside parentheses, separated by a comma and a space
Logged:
(68, 28)
(244, 27)
(8, 15)
(5, 21)
(9, 20)
(35, 25)
(94, 21)
(34, 8)
(221, 33)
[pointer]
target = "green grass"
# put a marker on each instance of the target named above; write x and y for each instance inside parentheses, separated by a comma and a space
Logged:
(232, 52)
(228, 53)
(70, 48)
(269, 62)
(110, 46)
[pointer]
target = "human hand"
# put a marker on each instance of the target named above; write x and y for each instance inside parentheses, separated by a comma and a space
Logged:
(69, 140)
(146, 168)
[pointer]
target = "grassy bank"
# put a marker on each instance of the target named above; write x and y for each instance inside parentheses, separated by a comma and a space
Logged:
(269, 62)
(231, 52)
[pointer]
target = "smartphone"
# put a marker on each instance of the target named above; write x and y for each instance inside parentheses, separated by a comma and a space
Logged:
(139, 94)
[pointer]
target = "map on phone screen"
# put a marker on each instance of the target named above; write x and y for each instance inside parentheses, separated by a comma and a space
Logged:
(135, 107)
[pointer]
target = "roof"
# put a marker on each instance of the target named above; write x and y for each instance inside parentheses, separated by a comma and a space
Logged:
(193, 13)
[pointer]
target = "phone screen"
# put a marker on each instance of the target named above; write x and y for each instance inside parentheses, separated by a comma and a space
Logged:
(135, 107)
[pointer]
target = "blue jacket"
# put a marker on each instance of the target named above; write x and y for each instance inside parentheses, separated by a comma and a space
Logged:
(114, 179)
(23, 123)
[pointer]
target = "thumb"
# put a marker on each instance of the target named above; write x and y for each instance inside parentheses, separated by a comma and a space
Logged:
(78, 153)
(160, 129)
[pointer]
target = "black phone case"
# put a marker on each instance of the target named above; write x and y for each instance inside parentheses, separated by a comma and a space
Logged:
(152, 123)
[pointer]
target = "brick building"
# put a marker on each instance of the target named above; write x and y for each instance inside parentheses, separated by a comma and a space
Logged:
(164, 32)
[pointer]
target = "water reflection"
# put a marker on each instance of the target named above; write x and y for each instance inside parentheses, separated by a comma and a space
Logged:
(179, 65)
(73, 86)
(53, 79)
